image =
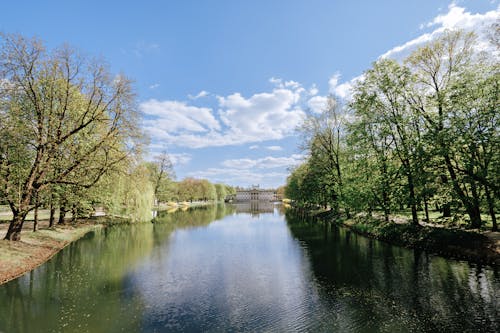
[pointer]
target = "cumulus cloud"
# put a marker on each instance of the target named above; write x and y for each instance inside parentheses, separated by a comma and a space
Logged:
(456, 18)
(174, 116)
(269, 162)
(245, 171)
(317, 104)
(313, 90)
(274, 148)
(201, 94)
(263, 116)
(253, 147)
(180, 159)
(241, 177)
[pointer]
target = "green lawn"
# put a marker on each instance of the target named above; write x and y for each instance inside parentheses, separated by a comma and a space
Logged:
(43, 214)
(459, 219)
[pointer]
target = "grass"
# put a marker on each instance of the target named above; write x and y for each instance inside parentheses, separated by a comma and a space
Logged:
(459, 219)
(35, 248)
(451, 242)
(43, 214)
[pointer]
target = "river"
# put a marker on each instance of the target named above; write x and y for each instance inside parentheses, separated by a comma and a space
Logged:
(248, 268)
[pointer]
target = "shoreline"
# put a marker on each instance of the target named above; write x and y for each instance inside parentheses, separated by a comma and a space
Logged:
(36, 248)
(458, 244)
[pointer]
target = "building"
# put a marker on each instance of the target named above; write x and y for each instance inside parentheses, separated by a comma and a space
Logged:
(256, 194)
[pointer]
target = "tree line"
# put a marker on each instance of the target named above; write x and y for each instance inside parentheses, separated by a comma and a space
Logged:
(416, 134)
(70, 140)
(166, 189)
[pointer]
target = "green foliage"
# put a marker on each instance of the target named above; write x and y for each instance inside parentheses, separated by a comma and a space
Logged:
(66, 121)
(420, 133)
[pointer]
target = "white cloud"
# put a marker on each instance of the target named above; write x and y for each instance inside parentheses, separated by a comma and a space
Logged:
(201, 94)
(313, 90)
(253, 147)
(180, 159)
(263, 116)
(246, 171)
(334, 81)
(268, 162)
(174, 117)
(317, 104)
(276, 81)
(274, 148)
(154, 86)
(241, 177)
(342, 90)
(456, 18)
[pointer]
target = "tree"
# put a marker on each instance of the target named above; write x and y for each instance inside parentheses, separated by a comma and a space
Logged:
(162, 174)
(474, 124)
(65, 121)
(221, 192)
(437, 66)
(382, 107)
(322, 139)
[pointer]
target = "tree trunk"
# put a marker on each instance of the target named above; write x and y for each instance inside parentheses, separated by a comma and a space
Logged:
(472, 206)
(426, 207)
(35, 214)
(35, 219)
(62, 214)
(385, 201)
(491, 208)
(74, 214)
(474, 215)
(413, 201)
(446, 209)
(15, 226)
(52, 214)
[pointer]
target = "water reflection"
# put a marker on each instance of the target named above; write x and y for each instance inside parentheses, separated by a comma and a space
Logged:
(230, 268)
(255, 208)
(390, 288)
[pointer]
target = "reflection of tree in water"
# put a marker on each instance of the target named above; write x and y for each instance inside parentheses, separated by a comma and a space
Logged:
(388, 286)
(87, 287)
(195, 216)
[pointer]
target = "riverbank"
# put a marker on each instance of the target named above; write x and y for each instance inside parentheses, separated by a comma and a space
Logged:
(35, 248)
(478, 247)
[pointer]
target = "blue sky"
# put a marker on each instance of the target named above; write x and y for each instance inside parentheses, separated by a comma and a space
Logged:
(223, 84)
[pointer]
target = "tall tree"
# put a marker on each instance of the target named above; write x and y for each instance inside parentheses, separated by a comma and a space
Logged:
(322, 139)
(381, 102)
(437, 66)
(162, 174)
(65, 120)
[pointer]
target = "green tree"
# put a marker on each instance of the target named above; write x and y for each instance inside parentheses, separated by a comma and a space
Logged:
(381, 102)
(322, 135)
(162, 174)
(221, 191)
(436, 67)
(65, 120)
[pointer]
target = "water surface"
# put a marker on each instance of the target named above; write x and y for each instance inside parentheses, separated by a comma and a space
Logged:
(247, 268)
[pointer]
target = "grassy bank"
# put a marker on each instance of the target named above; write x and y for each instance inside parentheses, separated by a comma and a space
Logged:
(35, 248)
(480, 247)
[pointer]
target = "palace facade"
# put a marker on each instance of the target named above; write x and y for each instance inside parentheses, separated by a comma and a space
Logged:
(256, 194)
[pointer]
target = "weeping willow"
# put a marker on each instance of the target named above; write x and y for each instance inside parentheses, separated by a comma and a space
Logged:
(131, 195)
